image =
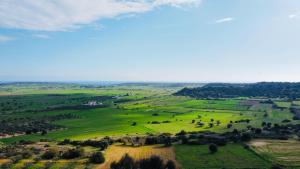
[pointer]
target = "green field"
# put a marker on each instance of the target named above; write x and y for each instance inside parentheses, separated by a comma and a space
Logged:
(152, 110)
(139, 106)
(232, 156)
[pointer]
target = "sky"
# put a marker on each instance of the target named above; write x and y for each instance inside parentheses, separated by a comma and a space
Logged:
(150, 40)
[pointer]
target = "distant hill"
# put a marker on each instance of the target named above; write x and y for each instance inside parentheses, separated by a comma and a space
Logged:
(227, 90)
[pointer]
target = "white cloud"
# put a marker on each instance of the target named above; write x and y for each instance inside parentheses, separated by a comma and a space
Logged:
(60, 15)
(5, 38)
(42, 36)
(222, 20)
(294, 15)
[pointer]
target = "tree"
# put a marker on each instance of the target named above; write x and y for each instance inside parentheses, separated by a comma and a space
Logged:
(72, 153)
(168, 141)
(246, 137)
(97, 158)
(44, 132)
(258, 131)
(170, 165)
(213, 148)
(126, 162)
(154, 162)
(50, 154)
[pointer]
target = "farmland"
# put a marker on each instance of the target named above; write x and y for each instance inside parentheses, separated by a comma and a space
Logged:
(132, 111)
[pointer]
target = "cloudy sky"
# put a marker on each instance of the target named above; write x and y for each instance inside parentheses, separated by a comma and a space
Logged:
(150, 40)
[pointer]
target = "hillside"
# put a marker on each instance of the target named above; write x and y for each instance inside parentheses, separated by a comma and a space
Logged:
(262, 89)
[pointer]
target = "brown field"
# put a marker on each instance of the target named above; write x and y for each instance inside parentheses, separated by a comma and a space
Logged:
(284, 152)
(115, 153)
(3, 161)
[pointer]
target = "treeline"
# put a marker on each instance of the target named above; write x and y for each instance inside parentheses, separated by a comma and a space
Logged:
(28, 125)
(263, 89)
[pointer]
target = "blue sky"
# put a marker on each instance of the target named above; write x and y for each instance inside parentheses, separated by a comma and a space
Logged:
(152, 40)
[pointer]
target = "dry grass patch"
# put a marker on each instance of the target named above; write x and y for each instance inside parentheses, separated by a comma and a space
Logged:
(116, 152)
(284, 152)
(4, 161)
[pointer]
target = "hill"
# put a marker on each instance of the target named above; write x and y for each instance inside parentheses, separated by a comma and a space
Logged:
(226, 90)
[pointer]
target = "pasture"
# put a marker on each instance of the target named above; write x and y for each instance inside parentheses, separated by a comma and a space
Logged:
(233, 156)
(126, 105)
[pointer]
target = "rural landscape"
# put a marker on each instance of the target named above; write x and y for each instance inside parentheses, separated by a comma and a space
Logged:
(149, 84)
(150, 125)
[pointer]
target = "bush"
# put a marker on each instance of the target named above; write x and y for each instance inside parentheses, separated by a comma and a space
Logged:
(6, 165)
(229, 126)
(16, 158)
(72, 153)
(168, 141)
(276, 167)
(126, 162)
(26, 154)
(97, 158)
(154, 162)
(170, 165)
(181, 133)
(213, 148)
(50, 154)
(258, 131)
(246, 137)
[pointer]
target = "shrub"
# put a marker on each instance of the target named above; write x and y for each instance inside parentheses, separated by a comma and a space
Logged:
(181, 133)
(26, 154)
(6, 165)
(276, 167)
(72, 153)
(16, 158)
(184, 139)
(126, 162)
(286, 121)
(258, 131)
(229, 125)
(50, 154)
(213, 148)
(168, 141)
(97, 158)
(154, 162)
(133, 124)
(170, 165)
(246, 137)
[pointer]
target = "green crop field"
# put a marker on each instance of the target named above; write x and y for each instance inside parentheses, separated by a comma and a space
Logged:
(233, 156)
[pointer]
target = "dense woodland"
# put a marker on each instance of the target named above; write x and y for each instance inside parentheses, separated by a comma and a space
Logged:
(263, 89)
